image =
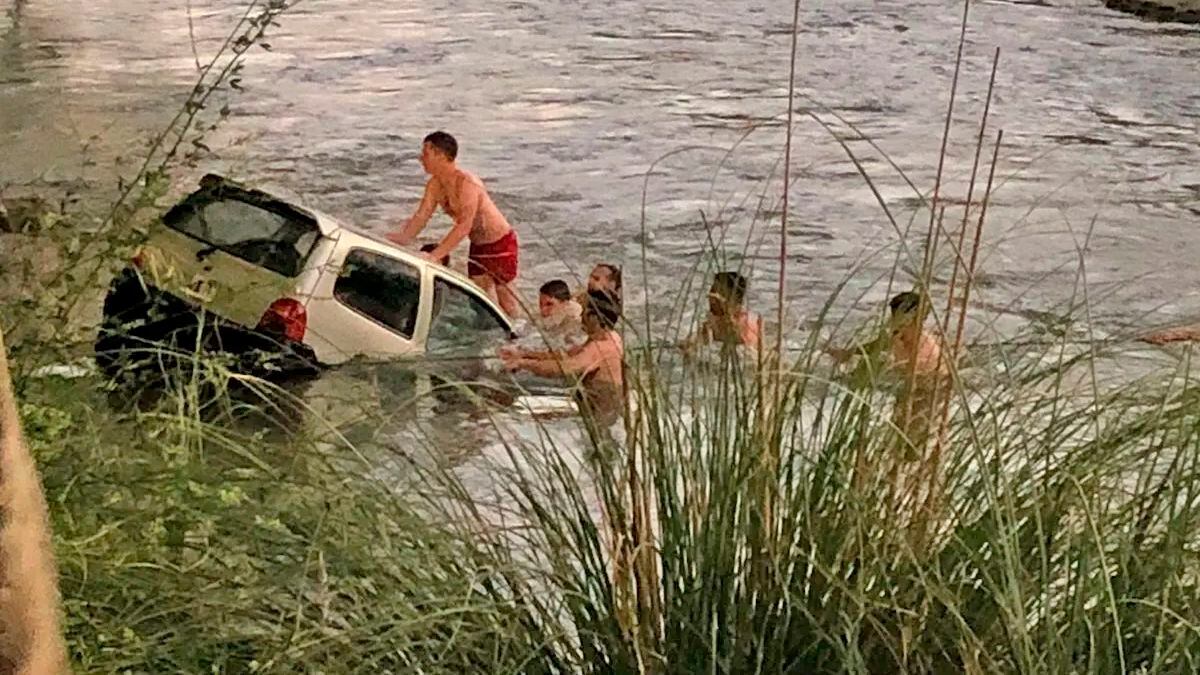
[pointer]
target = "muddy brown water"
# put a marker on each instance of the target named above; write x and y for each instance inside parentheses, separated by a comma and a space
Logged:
(562, 108)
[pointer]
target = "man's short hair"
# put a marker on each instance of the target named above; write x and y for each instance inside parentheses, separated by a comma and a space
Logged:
(604, 307)
(430, 247)
(443, 142)
(907, 301)
(731, 286)
(557, 289)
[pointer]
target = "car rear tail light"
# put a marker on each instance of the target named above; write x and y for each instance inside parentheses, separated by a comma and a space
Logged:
(287, 317)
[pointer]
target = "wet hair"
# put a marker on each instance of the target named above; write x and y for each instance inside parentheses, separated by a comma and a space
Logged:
(614, 273)
(443, 142)
(604, 307)
(430, 247)
(907, 301)
(557, 289)
(731, 285)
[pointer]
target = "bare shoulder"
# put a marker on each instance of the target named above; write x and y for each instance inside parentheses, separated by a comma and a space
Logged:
(615, 342)
(434, 189)
(467, 180)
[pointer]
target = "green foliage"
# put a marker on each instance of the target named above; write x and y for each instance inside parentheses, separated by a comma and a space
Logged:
(187, 547)
(1058, 534)
(759, 517)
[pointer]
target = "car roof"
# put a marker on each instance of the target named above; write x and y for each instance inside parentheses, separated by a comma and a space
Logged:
(326, 223)
(410, 255)
(332, 227)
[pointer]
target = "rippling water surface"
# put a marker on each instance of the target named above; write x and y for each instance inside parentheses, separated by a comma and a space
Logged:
(563, 106)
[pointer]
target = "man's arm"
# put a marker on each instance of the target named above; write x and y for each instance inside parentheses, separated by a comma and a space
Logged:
(702, 336)
(518, 353)
(581, 361)
(754, 338)
(1184, 334)
(468, 200)
(414, 225)
(842, 355)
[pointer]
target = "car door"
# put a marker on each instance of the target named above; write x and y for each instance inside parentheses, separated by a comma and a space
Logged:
(367, 305)
(230, 251)
(463, 326)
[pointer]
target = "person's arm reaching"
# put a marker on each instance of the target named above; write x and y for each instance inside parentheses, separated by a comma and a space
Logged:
(511, 355)
(414, 225)
(1184, 334)
(842, 355)
(702, 336)
(580, 362)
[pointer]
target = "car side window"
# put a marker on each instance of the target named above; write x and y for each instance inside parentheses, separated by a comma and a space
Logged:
(462, 324)
(383, 288)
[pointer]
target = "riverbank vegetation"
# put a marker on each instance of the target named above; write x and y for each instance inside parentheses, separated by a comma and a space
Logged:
(751, 523)
(759, 515)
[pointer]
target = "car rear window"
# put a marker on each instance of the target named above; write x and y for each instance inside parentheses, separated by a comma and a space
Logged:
(385, 289)
(260, 231)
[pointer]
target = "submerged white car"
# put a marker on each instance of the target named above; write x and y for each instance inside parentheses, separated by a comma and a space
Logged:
(247, 272)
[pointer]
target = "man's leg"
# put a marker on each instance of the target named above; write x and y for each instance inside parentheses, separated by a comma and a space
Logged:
(507, 298)
(487, 285)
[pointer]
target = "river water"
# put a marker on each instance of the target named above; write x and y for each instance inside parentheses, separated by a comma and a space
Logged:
(563, 106)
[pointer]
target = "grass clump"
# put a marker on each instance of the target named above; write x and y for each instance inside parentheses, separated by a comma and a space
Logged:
(186, 545)
(750, 531)
(756, 515)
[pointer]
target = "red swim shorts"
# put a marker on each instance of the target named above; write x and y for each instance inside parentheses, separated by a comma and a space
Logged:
(496, 259)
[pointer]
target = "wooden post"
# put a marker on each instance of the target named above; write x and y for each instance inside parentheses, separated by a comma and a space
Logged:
(31, 641)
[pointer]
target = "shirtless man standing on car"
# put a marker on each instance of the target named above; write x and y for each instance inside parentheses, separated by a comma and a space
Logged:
(492, 258)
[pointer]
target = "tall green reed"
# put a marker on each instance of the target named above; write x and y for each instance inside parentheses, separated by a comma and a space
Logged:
(752, 516)
(1063, 539)
(764, 515)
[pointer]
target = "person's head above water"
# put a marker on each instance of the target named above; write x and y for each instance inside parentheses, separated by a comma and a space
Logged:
(605, 277)
(600, 312)
(552, 295)
(905, 308)
(438, 151)
(727, 293)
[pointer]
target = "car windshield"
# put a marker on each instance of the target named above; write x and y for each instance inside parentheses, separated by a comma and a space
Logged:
(260, 231)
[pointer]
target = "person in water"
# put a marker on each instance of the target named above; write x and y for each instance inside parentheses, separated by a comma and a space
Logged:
(1169, 335)
(905, 345)
(597, 365)
(728, 321)
(493, 255)
(561, 316)
(605, 277)
(906, 348)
